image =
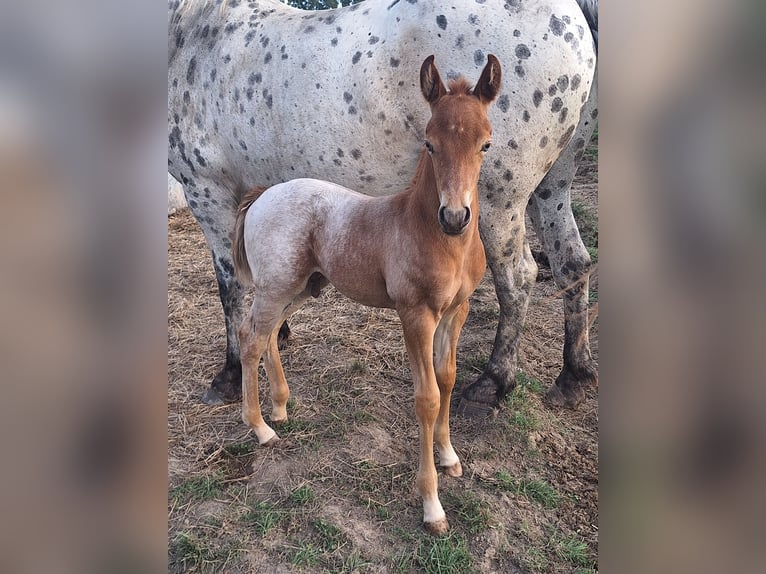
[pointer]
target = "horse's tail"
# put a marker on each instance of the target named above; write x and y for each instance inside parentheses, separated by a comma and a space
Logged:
(590, 11)
(238, 254)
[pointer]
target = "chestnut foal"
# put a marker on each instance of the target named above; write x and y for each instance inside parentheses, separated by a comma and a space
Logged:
(418, 252)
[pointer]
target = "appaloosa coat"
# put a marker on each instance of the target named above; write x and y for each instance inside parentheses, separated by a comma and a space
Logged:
(259, 93)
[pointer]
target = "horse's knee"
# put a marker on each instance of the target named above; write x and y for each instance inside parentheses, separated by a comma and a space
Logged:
(427, 405)
(572, 268)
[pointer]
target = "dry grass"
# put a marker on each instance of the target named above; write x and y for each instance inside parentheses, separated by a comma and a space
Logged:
(337, 494)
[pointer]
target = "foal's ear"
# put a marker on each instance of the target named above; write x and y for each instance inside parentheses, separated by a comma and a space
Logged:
(430, 81)
(488, 85)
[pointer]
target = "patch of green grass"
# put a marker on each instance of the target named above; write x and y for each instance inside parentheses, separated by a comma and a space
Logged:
(446, 555)
(587, 224)
(198, 489)
(471, 509)
(380, 511)
(364, 417)
(354, 562)
(590, 570)
(262, 517)
(534, 560)
(293, 425)
(591, 152)
(302, 495)
(592, 296)
(532, 383)
(476, 362)
(521, 415)
(302, 553)
(190, 551)
(573, 549)
(357, 367)
(539, 491)
(241, 448)
(330, 536)
(403, 562)
(593, 252)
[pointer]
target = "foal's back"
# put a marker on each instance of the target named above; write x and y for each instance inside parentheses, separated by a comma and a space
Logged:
(305, 226)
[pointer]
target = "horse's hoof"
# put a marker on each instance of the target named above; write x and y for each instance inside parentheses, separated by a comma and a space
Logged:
(479, 399)
(474, 409)
(569, 390)
(556, 398)
(437, 528)
(283, 336)
(278, 422)
(212, 398)
(226, 387)
(454, 470)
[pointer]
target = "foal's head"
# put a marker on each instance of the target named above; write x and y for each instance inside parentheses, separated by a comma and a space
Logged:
(457, 137)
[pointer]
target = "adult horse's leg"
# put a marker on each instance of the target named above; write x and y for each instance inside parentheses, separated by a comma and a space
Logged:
(217, 223)
(419, 327)
(445, 355)
(551, 214)
(514, 272)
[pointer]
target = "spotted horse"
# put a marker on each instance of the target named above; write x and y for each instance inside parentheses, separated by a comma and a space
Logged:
(260, 93)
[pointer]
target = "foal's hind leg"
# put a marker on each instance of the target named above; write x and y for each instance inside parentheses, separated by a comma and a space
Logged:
(255, 338)
(445, 354)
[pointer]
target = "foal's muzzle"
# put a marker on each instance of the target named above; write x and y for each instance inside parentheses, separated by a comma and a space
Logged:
(454, 222)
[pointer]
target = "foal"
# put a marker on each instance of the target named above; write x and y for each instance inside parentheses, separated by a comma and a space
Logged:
(418, 252)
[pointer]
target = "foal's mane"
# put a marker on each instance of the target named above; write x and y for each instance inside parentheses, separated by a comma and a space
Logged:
(460, 85)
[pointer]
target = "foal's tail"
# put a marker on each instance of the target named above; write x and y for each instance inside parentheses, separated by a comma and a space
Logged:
(238, 255)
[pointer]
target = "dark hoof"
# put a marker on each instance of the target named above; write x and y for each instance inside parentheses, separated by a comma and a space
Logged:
(283, 336)
(212, 398)
(480, 399)
(569, 390)
(226, 387)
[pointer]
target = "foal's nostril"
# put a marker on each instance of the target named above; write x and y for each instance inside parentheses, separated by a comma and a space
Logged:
(467, 217)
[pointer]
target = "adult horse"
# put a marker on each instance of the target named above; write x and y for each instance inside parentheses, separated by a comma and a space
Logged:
(260, 92)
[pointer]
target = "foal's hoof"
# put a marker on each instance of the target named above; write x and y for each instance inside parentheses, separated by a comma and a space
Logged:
(437, 528)
(271, 442)
(455, 470)
(479, 399)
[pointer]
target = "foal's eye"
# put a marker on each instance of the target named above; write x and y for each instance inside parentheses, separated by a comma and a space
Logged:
(486, 147)
(429, 146)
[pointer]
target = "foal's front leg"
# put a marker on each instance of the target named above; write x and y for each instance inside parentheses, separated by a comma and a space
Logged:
(279, 390)
(445, 363)
(419, 326)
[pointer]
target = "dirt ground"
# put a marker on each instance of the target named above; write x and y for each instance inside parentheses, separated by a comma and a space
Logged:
(337, 494)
